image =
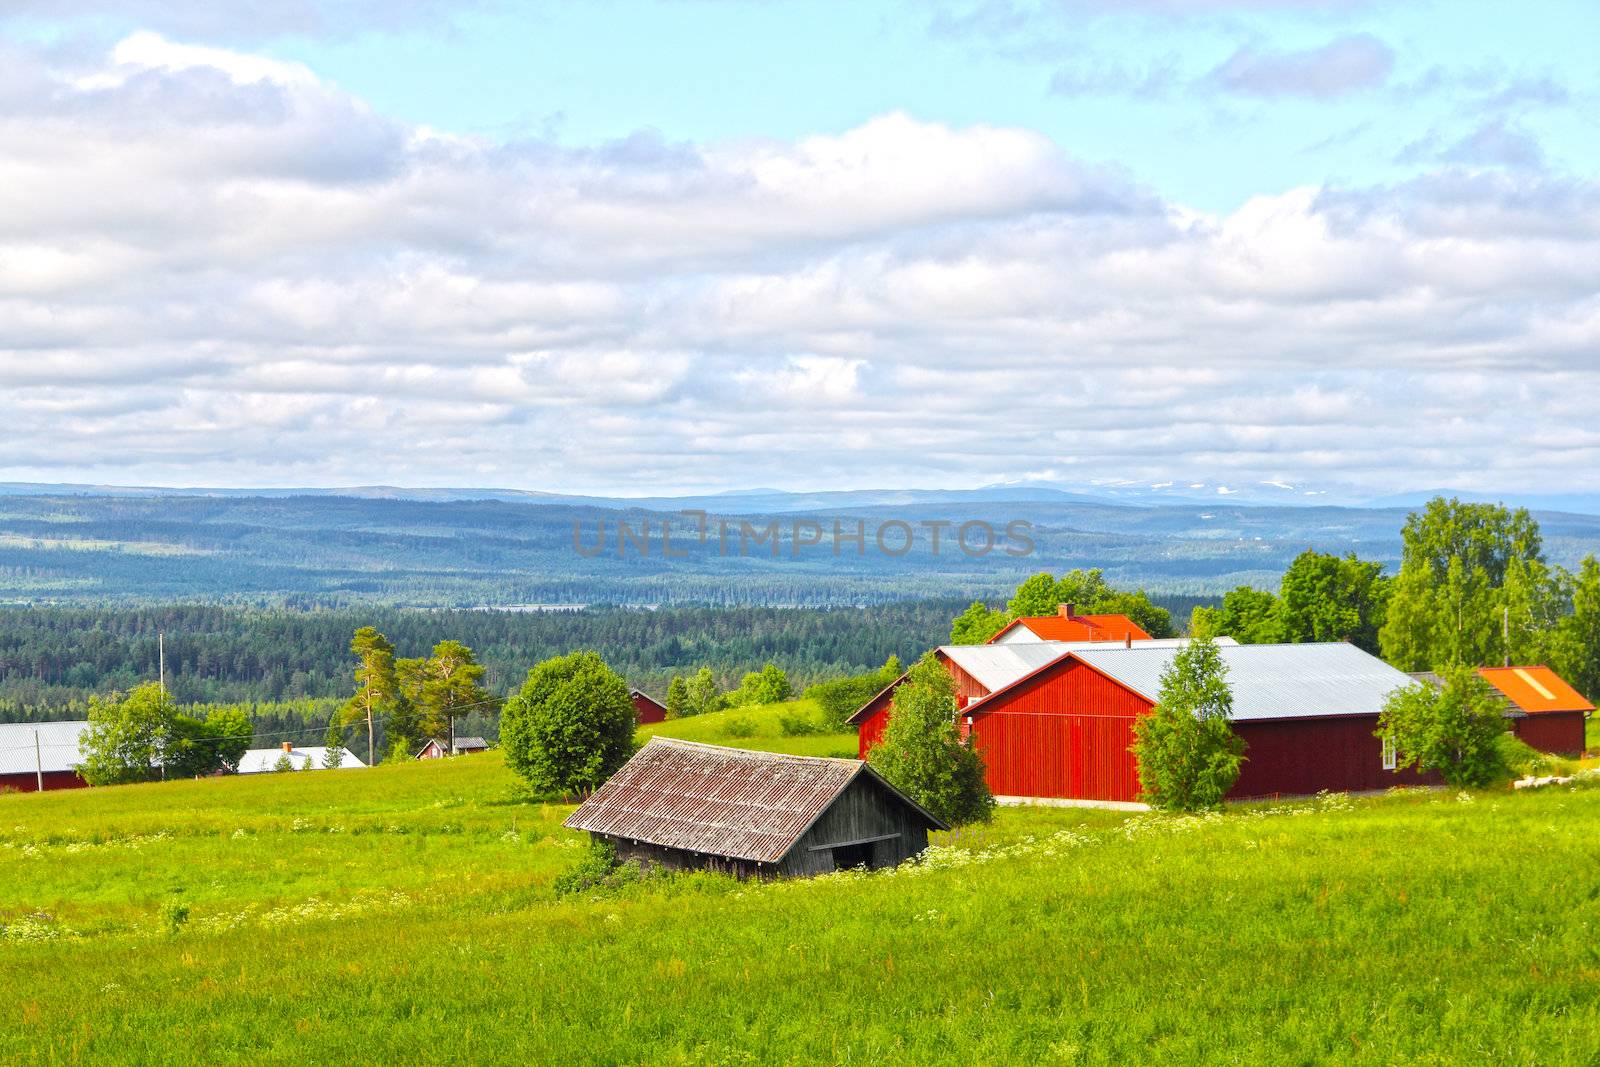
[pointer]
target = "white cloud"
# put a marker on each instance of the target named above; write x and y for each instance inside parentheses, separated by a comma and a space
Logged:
(216, 267)
(1344, 65)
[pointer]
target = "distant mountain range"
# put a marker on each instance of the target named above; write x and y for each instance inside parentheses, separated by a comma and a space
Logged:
(783, 501)
(80, 544)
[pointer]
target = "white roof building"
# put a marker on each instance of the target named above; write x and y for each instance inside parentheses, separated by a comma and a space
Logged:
(56, 749)
(265, 760)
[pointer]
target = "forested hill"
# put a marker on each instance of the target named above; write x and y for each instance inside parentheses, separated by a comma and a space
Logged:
(332, 551)
(54, 658)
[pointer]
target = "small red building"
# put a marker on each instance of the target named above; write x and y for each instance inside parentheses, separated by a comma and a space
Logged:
(1308, 714)
(646, 708)
(40, 755)
(1547, 713)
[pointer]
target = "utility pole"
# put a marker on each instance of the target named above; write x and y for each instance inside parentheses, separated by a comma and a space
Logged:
(1505, 632)
(161, 659)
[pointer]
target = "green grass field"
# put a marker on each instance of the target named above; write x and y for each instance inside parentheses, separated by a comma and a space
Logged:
(760, 727)
(406, 914)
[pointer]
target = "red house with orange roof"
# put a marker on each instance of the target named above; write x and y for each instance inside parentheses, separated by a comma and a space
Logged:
(1067, 625)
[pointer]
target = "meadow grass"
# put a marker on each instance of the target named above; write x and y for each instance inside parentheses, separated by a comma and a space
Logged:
(761, 728)
(406, 914)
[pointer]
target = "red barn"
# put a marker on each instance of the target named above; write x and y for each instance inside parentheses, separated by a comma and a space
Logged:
(1306, 712)
(646, 708)
(1068, 625)
(1547, 713)
(40, 755)
(979, 670)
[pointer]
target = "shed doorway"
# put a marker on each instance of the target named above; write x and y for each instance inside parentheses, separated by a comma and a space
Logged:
(848, 856)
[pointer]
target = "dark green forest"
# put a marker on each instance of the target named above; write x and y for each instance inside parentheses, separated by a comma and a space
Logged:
(53, 658)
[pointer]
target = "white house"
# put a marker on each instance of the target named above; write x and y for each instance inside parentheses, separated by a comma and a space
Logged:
(264, 760)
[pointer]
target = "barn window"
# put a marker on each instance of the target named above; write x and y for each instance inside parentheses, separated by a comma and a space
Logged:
(1390, 753)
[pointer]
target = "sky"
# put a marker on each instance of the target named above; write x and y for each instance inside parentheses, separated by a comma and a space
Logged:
(684, 245)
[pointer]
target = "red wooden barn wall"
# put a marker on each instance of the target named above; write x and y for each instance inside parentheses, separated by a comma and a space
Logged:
(1065, 734)
(29, 783)
(647, 710)
(869, 731)
(1551, 731)
(1298, 756)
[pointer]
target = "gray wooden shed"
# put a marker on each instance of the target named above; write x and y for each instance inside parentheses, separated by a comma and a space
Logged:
(685, 805)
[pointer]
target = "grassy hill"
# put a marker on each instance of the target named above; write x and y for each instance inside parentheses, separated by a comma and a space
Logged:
(406, 914)
(771, 728)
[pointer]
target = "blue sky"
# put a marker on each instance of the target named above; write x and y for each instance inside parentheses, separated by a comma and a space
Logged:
(1128, 85)
(702, 244)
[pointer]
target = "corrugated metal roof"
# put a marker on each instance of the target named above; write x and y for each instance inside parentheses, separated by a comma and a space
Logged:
(263, 760)
(717, 801)
(1270, 681)
(58, 746)
(997, 666)
(1535, 689)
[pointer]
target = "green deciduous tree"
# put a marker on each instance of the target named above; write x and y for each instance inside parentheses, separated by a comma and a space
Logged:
(197, 747)
(1043, 594)
(702, 693)
(1188, 755)
(1473, 588)
(1249, 616)
(923, 754)
(127, 736)
(570, 726)
(977, 624)
(1577, 647)
(1332, 598)
(769, 685)
(841, 697)
(1455, 730)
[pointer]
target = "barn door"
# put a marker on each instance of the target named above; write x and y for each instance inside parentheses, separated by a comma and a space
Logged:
(848, 856)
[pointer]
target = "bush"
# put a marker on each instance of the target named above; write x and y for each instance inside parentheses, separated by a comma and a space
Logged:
(800, 725)
(739, 726)
(571, 726)
(1456, 730)
(1523, 760)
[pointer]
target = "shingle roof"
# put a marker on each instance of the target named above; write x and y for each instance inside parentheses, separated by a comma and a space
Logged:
(1267, 681)
(471, 742)
(719, 801)
(57, 751)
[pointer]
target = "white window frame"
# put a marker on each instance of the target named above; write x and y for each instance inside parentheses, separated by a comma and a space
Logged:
(1391, 754)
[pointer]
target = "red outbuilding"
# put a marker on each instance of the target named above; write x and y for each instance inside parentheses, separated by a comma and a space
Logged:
(646, 708)
(979, 670)
(1552, 713)
(1308, 715)
(40, 755)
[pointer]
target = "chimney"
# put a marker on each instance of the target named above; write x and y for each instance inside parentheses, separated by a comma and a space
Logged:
(1128, 639)
(288, 746)
(1066, 611)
